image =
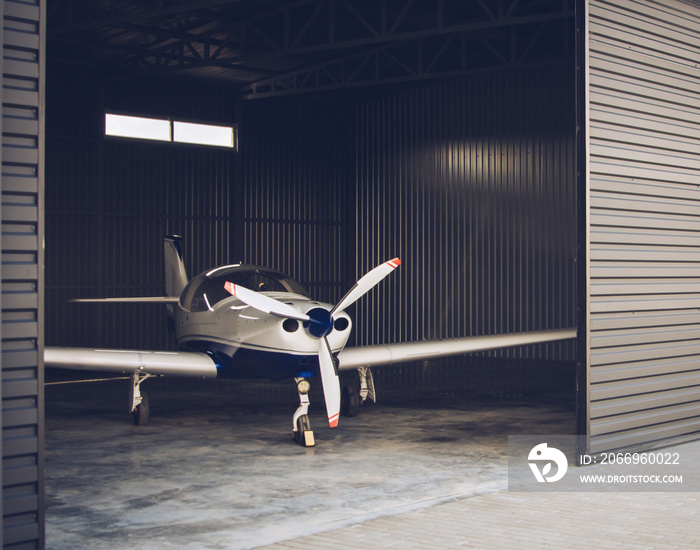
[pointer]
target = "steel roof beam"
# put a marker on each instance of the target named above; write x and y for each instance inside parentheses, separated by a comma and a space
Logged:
(232, 50)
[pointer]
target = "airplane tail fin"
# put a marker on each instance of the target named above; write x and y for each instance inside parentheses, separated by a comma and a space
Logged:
(175, 274)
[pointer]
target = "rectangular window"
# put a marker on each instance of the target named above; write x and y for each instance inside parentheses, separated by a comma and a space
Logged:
(137, 127)
(202, 134)
(167, 130)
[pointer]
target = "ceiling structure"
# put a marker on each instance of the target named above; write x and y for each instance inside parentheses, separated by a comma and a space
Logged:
(276, 47)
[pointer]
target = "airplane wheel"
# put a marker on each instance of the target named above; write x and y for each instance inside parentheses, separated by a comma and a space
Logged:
(143, 412)
(304, 436)
(349, 402)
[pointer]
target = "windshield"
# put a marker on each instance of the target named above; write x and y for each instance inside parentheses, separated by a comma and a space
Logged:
(205, 290)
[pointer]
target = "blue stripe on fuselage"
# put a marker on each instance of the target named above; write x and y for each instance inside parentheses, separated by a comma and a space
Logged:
(234, 362)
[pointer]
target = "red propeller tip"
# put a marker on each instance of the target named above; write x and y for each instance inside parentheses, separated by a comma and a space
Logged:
(395, 263)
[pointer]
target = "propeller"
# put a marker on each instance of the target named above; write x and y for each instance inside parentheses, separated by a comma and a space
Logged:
(320, 325)
(265, 303)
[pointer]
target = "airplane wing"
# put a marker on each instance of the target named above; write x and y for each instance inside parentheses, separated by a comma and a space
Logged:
(198, 365)
(386, 354)
(201, 365)
(127, 300)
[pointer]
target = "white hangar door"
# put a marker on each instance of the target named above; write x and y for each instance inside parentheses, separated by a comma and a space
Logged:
(643, 206)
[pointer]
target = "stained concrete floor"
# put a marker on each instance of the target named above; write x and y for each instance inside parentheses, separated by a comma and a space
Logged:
(215, 470)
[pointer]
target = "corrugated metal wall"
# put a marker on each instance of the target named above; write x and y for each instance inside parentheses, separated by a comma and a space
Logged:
(644, 223)
(283, 201)
(109, 203)
(469, 181)
(472, 183)
(105, 226)
(22, 279)
(297, 196)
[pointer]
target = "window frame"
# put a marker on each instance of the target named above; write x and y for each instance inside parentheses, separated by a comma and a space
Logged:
(232, 145)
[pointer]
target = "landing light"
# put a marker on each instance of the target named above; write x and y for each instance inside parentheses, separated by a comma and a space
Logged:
(303, 386)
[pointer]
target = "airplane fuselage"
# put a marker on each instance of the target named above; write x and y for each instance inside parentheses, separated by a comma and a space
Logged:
(245, 342)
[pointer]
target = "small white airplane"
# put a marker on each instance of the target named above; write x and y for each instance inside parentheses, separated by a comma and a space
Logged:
(246, 321)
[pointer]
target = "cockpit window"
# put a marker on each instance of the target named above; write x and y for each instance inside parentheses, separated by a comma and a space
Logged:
(204, 291)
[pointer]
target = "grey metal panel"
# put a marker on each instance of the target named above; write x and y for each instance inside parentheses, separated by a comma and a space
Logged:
(644, 249)
(110, 202)
(284, 200)
(472, 183)
(21, 274)
(105, 228)
(2, 362)
(297, 191)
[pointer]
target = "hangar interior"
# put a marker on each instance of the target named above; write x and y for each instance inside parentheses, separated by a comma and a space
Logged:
(441, 133)
(447, 133)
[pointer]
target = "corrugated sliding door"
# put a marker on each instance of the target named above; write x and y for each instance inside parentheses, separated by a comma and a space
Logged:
(644, 207)
(21, 274)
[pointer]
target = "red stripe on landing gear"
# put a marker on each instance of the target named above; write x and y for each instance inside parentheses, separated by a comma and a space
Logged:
(333, 420)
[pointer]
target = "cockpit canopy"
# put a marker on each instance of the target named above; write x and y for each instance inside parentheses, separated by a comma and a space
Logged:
(207, 289)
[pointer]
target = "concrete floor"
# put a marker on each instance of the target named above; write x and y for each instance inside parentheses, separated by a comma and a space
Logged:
(218, 471)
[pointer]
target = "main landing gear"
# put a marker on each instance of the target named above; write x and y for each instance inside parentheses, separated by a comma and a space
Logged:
(351, 401)
(140, 408)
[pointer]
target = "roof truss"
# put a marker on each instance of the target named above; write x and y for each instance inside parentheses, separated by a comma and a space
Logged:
(274, 46)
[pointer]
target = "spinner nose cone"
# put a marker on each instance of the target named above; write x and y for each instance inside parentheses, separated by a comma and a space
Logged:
(321, 323)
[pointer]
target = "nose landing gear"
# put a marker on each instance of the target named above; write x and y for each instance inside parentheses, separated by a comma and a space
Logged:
(351, 401)
(301, 426)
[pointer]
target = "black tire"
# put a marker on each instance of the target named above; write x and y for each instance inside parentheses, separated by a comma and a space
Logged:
(303, 425)
(142, 414)
(349, 402)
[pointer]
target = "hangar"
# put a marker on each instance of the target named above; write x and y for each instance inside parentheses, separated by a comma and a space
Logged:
(534, 162)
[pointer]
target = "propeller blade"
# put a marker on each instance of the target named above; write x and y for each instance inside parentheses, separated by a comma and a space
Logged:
(331, 384)
(265, 303)
(366, 283)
